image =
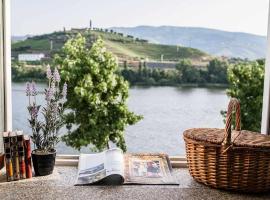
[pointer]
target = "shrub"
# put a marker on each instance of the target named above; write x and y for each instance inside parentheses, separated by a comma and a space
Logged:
(246, 83)
(97, 95)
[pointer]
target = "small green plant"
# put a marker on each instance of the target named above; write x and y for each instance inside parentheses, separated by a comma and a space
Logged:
(97, 96)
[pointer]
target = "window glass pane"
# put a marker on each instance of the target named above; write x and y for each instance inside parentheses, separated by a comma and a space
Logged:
(174, 55)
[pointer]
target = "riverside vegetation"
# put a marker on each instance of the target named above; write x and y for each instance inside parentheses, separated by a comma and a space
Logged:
(215, 73)
(184, 73)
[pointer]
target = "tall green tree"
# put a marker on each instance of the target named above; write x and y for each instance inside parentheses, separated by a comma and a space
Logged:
(97, 95)
(187, 72)
(217, 71)
(246, 83)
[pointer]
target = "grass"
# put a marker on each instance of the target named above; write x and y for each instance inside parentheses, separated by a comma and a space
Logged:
(42, 44)
(154, 51)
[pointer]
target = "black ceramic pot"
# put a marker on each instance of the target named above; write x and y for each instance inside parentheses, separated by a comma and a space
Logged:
(2, 158)
(43, 162)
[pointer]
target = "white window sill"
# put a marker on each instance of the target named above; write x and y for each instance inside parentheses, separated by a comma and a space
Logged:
(72, 160)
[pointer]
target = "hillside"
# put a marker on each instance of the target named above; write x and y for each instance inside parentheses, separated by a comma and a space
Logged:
(214, 42)
(124, 47)
(17, 38)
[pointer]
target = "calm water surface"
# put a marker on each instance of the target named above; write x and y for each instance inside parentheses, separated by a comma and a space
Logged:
(167, 112)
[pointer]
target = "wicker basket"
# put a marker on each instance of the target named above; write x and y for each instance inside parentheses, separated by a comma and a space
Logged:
(234, 160)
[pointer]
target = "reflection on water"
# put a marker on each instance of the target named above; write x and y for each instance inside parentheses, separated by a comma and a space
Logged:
(167, 112)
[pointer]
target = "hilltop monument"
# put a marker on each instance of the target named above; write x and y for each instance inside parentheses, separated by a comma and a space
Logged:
(51, 45)
(90, 24)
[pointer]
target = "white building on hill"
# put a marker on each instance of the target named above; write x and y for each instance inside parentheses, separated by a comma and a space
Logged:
(30, 57)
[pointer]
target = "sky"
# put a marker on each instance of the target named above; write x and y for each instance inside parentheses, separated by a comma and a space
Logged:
(45, 16)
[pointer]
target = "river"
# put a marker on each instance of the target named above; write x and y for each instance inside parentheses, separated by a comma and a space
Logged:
(167, 112)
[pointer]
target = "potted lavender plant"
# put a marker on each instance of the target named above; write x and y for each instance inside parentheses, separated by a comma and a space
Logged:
(45, 128)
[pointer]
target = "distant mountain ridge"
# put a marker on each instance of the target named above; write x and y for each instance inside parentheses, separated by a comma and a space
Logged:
(212, 41)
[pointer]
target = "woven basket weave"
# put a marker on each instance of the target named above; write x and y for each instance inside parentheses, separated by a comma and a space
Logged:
(234, 160)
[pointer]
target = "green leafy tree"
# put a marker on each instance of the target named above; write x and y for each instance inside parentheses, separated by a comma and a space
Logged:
(246, 83)
(187, 72)
(97, 96)
(217, 71)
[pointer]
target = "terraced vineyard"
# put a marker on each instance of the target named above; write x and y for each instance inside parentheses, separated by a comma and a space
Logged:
(124, 47)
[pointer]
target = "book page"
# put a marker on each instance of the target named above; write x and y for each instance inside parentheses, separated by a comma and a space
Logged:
(103, 168)
(114, 162)
(91, 168)
(148, 169)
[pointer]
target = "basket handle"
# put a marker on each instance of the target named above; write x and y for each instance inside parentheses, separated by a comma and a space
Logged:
(234, 104)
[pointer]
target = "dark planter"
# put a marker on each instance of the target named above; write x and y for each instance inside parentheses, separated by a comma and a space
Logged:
(43, 162)
(2, 161)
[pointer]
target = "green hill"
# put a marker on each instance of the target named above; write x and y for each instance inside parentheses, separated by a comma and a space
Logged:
(124, 47)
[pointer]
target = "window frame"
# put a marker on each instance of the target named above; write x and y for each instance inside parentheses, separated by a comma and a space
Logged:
(265, 121)
(5, 61)
(5, 69)
(1, 73)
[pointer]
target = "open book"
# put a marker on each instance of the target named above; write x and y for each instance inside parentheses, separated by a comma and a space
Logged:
(112, 167)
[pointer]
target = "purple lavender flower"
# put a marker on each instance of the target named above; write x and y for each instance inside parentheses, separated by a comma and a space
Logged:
(64, 91)
(55, 108)
(49, 94)
(28, 89)
(33, 89)
(53, 87)
(56, 76)
(34, 112)
(49, 72)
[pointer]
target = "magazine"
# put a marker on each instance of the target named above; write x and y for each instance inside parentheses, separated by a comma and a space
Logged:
(112, 167)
